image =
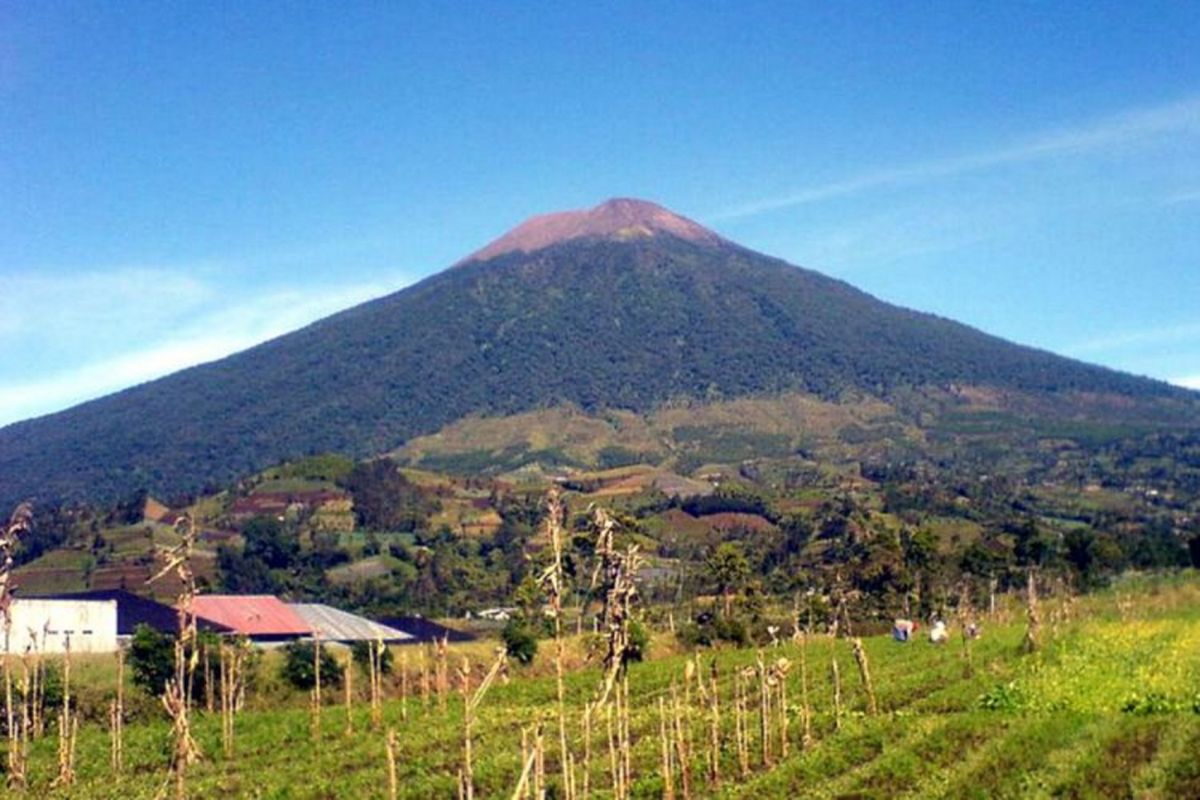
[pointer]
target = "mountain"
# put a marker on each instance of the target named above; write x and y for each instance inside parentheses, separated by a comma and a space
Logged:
(624, 306)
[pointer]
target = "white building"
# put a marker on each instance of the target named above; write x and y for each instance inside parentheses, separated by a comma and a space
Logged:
(47, 625)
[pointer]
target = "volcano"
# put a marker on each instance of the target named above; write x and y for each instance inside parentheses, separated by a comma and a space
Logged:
(623, 306)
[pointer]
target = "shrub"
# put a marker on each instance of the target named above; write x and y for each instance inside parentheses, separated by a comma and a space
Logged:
(151, 659)
(361, 652)
(520, 639)
(639, 643)
(298, 670)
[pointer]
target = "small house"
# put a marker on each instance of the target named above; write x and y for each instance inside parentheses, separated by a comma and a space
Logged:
(52, 626)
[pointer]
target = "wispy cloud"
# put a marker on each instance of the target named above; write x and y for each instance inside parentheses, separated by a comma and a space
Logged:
(209, 331)
(1129, 127)
(1192, 382)
(1149, 337)
(1192, 196)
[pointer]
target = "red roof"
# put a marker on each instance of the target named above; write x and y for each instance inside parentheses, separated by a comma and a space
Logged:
(251, 614)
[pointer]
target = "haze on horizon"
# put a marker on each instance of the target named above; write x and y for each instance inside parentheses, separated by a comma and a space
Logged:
(180, 182)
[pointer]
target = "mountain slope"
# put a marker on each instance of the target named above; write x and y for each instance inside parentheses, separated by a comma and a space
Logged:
(626, 306)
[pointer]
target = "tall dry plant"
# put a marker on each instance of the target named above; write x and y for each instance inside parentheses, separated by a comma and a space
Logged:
(390, 746)
(553, 583)
(177, 696)
(714, 728)
(68, 726)
(800, 637)
(19, 523)
(375, 675)
(315, 697)
(116, 718)
(471, 702)
(864, 672)
(348, 693)
(966, 619)
(1034, 620)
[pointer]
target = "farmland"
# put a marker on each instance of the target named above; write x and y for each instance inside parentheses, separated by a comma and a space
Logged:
(1107, 706)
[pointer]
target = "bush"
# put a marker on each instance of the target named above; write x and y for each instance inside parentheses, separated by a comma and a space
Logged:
(639, 643)
(708, 630)
(520, 639)
(298, 670)
(151, 659)
(361, 652)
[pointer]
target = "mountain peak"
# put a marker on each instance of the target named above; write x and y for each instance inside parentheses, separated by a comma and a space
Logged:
(620, 218)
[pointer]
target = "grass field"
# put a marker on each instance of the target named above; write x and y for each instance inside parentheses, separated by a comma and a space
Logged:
(1108, 707)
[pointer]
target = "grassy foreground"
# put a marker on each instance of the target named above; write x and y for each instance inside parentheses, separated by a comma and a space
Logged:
(1108, 707)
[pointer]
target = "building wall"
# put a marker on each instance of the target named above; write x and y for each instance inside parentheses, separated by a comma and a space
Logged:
(90, 625)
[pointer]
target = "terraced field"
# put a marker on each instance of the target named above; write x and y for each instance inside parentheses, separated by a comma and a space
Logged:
(1108, 707)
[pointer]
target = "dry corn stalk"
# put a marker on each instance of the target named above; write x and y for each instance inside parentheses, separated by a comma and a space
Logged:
(681, 747)
(68, 725)
(470, 704)
(390, 745)
(375, 675)
(116, 718)
(552, 582)
(442, 671)
(801, 638)
(714, 730)
(10, 534)
(528, 760)
(1033, 629)
(348, 693)
(836, 676)
(314, 697)
(665, 744)
(965, 622)
(176, 698)
(864, 672)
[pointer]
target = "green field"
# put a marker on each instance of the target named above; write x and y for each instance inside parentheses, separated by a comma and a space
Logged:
(1108, 707)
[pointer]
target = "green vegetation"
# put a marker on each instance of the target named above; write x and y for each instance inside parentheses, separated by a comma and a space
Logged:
(1062, 722)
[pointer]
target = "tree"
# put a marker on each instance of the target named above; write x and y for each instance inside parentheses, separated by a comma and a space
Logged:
(385, 500)
(728, 568)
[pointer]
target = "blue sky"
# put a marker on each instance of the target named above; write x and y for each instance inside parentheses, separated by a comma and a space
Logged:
(181, 180)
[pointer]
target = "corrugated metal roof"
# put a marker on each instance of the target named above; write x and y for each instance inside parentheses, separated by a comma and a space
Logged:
(251, 614)
(336, 625)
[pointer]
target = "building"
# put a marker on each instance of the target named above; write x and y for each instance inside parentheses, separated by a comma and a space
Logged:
(51, 626)
(134, 610)
(261, 618)
(334, 625)
(424, 630)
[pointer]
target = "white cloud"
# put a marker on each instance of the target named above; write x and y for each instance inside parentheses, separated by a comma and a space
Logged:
(201, 332)
(1183, 197)
(1192, 382)
(1129, 127)
(1167, 334)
